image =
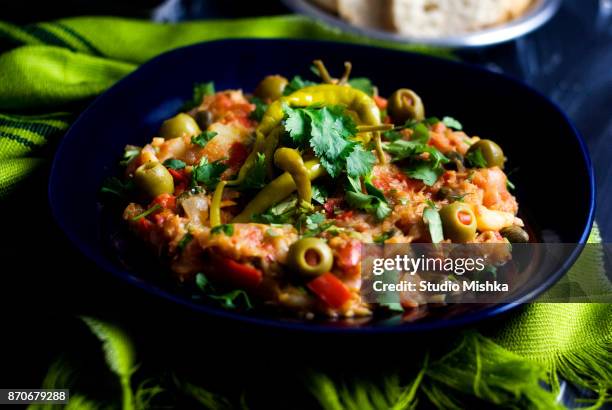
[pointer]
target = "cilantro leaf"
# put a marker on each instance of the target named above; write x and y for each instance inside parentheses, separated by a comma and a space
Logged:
(475, 159)
(280, 213)
(207, 173)
(297, 124)
(384, 236)
(373, 202)
(392, 135)
(200, 90)
(231, 300)
(129, 154)
(172, 163)
(450, 122)
(432, 218)
(295, 84)
(424, 171)
(227, 229)
(203, 138)
(319, 194)
(360, 162)
(260, 109)
(256, 178)
(363, 84)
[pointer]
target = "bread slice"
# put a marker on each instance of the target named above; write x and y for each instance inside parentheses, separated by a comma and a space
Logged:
(329, 5)
(435, 18)
(365, 13)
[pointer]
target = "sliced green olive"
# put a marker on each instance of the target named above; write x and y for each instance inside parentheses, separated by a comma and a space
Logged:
(491, 152)
(404, 105)
(153, 179)
(310, 257)
(179, 126)
(458, 222)
(515, 234)
(271, 88)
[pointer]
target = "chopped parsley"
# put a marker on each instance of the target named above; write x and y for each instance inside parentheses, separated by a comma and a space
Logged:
(384, 236)
(427, 170)
(200, 90)
(256, 177)
(475, 159)
(208, 174)
(372, 202)
(319, 194)
(231, 300)
(174, 164)
(450, 122)
(129, 154)
(226, 229)
(260, 109)
(329, 131)
(203, 138)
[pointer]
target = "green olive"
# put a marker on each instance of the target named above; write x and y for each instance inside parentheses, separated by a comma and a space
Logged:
(404, 105)
(310, 257)
(179, 126)
(153, 179)
(458, 222)
(491, 152)
(271, 88)
(515, 234)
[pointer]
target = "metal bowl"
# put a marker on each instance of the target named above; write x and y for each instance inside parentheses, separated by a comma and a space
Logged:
(538, 14)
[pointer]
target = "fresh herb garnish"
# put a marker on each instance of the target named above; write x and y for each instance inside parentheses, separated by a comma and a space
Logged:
(184, 242)
(295, 84)
(174, 164)
(208, 174)
(260, 109)
(475, 159)
(372, 202)
(256, 178)
(203, 138)
(510, 185)
(432, 218)
(114, 186)
(384, 236)
(146, 213)
(231, 300)
(227, 229)
(450, 122)
(363, 84)
(281, 213)
(392, 135)
(200, 90)
(328, 131)
(319, 194)
(129, 154)
(427, 170)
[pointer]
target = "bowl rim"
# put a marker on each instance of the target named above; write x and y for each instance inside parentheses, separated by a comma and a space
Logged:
(538, 14)
(304, 326)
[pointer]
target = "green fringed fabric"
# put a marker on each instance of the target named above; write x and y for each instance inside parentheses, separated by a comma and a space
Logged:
(48, 70)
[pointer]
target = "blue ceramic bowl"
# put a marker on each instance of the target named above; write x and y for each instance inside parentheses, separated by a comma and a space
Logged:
(554, 177)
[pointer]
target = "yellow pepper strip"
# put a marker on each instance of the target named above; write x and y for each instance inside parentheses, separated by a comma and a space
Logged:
(270, 145)
(215, 206)
(276, 191)
(290, 160)
(374, 128)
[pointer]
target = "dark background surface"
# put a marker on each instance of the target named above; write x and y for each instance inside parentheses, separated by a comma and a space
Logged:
(46, 282)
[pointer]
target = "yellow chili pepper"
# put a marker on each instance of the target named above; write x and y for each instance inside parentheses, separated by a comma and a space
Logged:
(290, 160)
(276, 191)
(215, 206)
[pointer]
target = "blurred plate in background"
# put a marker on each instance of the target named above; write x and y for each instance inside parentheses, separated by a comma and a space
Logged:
(537, 15)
